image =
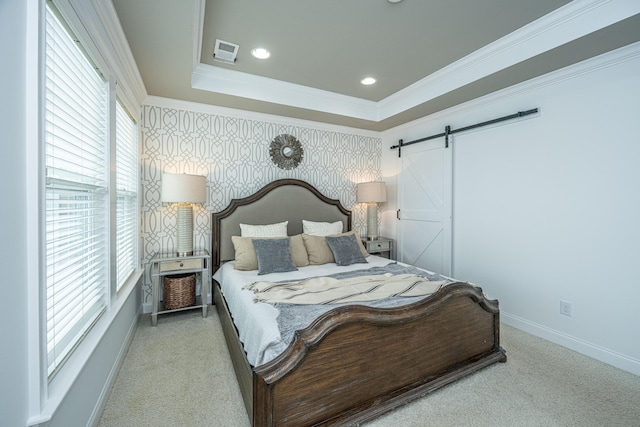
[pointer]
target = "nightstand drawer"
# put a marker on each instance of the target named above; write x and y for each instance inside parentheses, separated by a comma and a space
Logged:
(374, 245)
(185, 264)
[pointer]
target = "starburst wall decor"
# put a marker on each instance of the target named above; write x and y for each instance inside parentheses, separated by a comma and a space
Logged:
(286, 151)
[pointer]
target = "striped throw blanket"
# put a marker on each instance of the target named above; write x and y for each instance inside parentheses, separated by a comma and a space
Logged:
(329, 290)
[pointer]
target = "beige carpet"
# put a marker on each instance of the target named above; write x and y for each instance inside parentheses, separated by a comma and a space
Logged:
(179, 374)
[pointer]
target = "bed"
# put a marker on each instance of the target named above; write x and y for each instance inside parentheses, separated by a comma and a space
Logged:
(353, 362)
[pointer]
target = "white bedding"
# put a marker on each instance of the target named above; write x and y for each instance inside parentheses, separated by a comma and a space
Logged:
(256, 322)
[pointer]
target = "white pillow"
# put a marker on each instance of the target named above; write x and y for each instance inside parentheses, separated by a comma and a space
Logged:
(321, 228)
(267, 230)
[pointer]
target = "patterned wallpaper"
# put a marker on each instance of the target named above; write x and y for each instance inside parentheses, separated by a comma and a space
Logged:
(233, 153)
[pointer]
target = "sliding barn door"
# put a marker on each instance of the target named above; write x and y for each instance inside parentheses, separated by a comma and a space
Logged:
(424, 200)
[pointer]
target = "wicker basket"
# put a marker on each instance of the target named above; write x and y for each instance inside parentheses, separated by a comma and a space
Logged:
(179, 291)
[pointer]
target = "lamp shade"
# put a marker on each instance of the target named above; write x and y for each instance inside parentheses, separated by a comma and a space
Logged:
(371, 192)
(183, 188)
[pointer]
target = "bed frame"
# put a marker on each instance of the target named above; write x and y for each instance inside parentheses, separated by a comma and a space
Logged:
(353, 363)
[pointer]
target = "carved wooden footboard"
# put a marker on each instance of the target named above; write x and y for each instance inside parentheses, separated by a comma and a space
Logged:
(355, 363)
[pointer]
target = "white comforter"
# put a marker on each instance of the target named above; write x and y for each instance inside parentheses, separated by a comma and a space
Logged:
(256, 322)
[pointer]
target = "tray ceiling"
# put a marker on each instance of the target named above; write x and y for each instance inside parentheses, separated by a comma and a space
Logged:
(425, 55)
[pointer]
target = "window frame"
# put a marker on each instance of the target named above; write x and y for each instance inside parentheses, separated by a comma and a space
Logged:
(77, 142)
(46, 394)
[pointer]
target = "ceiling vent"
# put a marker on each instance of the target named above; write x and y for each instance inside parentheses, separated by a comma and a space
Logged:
(225, 51)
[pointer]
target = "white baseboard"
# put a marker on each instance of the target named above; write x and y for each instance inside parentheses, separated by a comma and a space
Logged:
(597, 352)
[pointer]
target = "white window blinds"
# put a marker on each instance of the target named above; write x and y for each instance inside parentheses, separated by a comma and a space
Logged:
(76, 146)
(126, 195)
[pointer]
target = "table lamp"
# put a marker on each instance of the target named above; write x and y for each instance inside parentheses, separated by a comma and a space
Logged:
(184, 189)
(371, 193)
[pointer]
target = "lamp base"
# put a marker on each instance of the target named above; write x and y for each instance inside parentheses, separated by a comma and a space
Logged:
(184, 225)
(372, 221)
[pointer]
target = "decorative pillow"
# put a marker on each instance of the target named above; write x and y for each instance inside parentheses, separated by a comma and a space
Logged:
(345, 249)
(246, 258)
(245, 253)
(274, 255)
(298, 251)
(269, 230)
(319, 251)
(359, 241)
(313, 228)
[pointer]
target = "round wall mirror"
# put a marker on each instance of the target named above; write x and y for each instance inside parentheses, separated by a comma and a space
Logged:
(286, 151)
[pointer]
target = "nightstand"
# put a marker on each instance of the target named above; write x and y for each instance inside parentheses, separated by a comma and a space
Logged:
(171, 264)
(382, 246)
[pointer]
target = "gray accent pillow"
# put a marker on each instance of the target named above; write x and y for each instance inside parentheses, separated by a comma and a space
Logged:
(345, 249)
(274, 255)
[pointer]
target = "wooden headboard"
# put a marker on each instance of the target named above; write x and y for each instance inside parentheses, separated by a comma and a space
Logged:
(282, 200)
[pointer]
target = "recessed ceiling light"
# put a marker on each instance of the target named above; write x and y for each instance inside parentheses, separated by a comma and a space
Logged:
(260, 53)
(394, 1)
(368, 81)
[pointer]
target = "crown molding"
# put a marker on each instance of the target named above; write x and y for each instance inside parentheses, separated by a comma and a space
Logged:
(570, 22)
(198, 30)
(574, 20)
(236, 83)
(113, 44)
(604, 61)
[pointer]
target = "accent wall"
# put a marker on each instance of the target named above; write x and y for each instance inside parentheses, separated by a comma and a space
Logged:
(231, 148)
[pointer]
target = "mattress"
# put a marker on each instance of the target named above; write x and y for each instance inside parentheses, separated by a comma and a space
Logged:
(256, 322)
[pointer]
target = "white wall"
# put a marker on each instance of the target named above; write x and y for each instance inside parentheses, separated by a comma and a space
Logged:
(13, 250)
(546, 207)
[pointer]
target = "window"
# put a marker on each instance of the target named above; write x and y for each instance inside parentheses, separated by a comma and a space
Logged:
(126, 195)
(76, 192)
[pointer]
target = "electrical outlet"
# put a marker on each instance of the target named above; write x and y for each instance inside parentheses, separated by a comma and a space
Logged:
(566, 308)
